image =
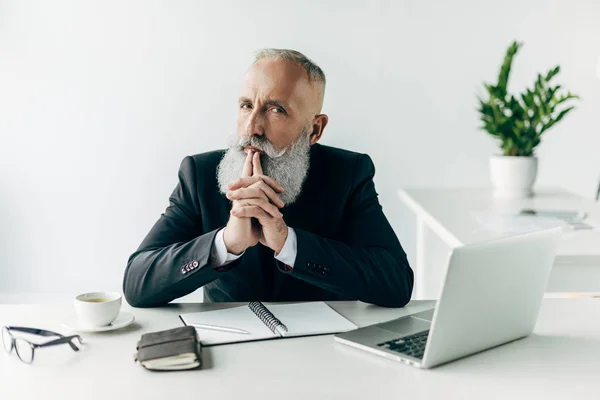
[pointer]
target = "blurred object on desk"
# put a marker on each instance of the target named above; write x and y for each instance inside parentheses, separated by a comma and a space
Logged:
(565, 215)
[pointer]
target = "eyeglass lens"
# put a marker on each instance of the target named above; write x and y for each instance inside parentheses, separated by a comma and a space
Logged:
(6, 340)
(23, 348)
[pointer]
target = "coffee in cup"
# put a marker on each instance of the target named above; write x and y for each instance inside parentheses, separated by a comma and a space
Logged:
(97, 309)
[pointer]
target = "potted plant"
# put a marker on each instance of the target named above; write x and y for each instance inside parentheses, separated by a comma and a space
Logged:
(519, 122)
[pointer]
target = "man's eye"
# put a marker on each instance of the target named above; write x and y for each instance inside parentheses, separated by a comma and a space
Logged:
(278, 110)
(245, 106)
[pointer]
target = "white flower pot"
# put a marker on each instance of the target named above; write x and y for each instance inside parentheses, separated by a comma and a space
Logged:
(513, 176)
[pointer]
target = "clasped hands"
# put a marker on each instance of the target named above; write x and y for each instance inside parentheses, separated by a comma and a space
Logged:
(254, 215)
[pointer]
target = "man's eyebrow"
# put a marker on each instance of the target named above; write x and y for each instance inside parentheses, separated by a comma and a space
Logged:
(268, 102)
(277, 103)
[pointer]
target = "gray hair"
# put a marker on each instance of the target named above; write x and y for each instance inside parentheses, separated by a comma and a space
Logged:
(315, 73)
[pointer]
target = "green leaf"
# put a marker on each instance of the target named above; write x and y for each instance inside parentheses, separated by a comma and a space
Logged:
(552, 91)
(528, 98)
(506, 66)
(560, 116)
(552, 73)
(485, 109)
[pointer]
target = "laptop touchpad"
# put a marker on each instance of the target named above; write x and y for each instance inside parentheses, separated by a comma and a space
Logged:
(426, 315)
(406, 325)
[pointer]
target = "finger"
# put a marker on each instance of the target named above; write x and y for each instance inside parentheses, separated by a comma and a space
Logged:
(246, 193)
(243, 182)
(256, 190)
(262, 203)
(269, 192)
(251, 212)
(256, 167)
(247, 171)
(273, 183)
(248, 181)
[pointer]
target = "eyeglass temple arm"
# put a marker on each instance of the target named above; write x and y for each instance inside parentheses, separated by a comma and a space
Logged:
(64, 339)
(35, 331)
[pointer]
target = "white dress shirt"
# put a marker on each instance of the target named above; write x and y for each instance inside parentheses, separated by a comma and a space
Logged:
(287, 255)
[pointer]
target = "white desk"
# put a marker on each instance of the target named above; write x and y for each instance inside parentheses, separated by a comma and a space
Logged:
(560, 361)
(447, 218)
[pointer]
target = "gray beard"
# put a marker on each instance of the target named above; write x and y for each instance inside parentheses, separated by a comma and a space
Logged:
(288, 166)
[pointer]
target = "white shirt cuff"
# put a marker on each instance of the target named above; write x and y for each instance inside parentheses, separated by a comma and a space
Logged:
(288, 252)
(219, 251)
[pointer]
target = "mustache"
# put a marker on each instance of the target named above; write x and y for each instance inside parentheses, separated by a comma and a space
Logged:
(259, 142)
(289, 170)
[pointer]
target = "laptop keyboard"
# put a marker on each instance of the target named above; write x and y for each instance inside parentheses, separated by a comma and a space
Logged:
(412, 345)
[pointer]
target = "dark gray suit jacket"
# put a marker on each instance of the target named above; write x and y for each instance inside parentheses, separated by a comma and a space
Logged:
(346, 248)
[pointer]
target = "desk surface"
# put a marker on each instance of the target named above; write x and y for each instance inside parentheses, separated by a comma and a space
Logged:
(463, 216)
(561, 360)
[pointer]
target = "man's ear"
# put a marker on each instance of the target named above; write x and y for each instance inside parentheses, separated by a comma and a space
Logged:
(318, 125)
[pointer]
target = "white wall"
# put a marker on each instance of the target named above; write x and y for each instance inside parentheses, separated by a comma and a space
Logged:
(100, 101)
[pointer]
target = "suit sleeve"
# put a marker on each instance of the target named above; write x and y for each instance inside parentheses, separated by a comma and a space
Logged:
(368, 263)
(174, 259)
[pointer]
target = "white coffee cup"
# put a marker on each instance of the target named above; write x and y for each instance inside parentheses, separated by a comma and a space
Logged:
(97, 309)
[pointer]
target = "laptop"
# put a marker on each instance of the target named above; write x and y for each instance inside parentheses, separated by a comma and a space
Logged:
(491, 295)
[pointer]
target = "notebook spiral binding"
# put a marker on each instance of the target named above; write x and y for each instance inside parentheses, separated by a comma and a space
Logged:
(267, 317)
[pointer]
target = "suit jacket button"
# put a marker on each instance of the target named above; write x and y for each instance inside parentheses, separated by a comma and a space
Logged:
(183, 270)
(195, 264)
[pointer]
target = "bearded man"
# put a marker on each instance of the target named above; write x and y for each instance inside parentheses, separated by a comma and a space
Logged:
(277, 216)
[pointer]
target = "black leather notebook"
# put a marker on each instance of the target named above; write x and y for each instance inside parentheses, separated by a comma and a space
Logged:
(169, 350)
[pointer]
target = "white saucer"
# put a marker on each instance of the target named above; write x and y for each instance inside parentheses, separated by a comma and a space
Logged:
(121, 321)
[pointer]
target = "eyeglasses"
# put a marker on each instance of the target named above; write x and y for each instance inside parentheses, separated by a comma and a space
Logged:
(25, 349)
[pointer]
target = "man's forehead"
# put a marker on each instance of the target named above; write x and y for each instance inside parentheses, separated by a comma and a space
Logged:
(277, 79)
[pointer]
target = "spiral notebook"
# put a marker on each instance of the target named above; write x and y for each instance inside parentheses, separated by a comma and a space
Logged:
(268, 322)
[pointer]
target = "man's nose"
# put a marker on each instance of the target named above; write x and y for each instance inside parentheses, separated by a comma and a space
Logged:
(255, 124)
